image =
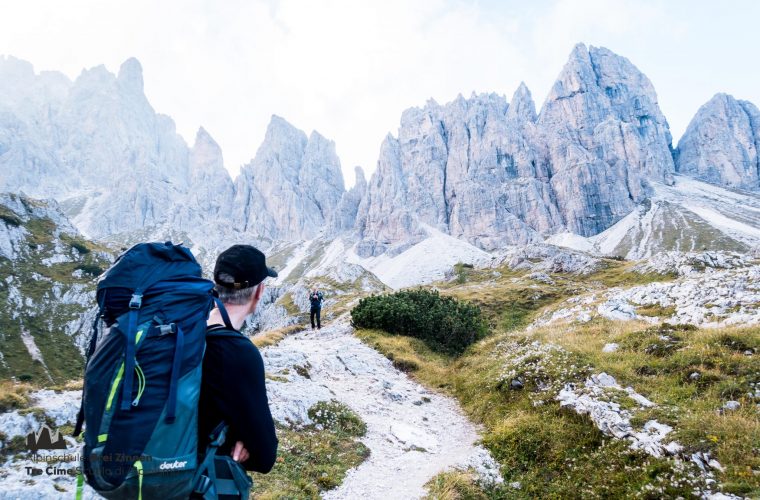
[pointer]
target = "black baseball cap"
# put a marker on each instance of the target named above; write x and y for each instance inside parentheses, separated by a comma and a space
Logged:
(246, 264)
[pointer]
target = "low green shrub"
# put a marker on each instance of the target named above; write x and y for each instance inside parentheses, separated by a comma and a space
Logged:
(444, 323)
(80, 247)
(91, 269)
(462, 271)
(9, 218)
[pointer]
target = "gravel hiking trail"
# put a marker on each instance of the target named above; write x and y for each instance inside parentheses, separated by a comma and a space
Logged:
(412, 433)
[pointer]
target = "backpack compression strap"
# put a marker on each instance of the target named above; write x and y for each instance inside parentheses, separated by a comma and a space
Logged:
(129, 365)
(205, 476)
(219, 475)
(179, 346)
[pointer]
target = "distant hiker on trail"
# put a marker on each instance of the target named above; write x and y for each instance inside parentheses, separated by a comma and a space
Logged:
(316, 298)
(233, 389)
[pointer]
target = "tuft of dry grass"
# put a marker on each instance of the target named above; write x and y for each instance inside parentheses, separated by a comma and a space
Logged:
(455, 485)
(70, 385)
(272, 337)
(14, 395)
(656, 310)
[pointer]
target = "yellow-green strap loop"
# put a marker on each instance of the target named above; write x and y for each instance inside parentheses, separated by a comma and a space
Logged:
(139, 467)
(80, 486)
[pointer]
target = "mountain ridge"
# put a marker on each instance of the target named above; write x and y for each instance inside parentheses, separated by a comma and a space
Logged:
(483, 169)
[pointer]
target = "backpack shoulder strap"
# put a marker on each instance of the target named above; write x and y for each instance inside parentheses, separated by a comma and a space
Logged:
(223, 331)
(223, 312)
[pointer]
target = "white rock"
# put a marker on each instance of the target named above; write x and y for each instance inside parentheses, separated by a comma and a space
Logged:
(732, 405)
(62, 406)
(617, 309)
(611, 347)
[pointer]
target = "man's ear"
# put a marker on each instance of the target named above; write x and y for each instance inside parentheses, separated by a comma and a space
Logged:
(259, 291)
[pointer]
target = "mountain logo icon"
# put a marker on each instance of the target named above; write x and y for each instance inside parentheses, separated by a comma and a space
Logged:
(45, 439)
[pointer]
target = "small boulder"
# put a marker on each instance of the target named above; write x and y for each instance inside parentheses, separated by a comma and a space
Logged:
(732, 405)
(611, 347)
(604, 380)
(516, 384)
(541, 278)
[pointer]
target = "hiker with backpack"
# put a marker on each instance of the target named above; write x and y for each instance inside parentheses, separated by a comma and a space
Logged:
(163, 420)
(233, 389)
(316, 298)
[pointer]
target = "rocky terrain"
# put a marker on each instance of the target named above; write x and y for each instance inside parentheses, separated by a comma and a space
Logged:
(47, 291)
(708, 289)
(412, 433)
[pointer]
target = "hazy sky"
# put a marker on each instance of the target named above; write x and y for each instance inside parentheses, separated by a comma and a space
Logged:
(349, 68)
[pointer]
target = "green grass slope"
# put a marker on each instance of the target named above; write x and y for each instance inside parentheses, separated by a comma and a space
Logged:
(46, 289)
(547, 451)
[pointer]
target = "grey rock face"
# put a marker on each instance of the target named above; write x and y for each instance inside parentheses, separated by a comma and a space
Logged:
(119, 170)
(383, 218)
(212, 187)
(207, 206)
(721, 144)
(495, 173)
(547, 258)
(605, 137)
(291, 187)
(469, 168)
(344, 216)
(94, 144)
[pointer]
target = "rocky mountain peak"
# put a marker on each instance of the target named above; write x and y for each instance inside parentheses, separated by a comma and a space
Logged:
(495, 173)
(360, 179)
(204, 142)
(522, 107)
(721, 144)
(280, 132)
(130, 75)
(15, 72)
(289, 189)
(321, 173)
(601, 120)
(95, 76)
(576, 76)
(344, 216)
(206, 156)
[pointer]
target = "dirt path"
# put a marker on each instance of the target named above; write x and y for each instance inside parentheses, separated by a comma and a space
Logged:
(412, 433)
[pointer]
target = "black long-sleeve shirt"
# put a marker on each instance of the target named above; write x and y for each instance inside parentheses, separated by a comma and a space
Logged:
(233, 391)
